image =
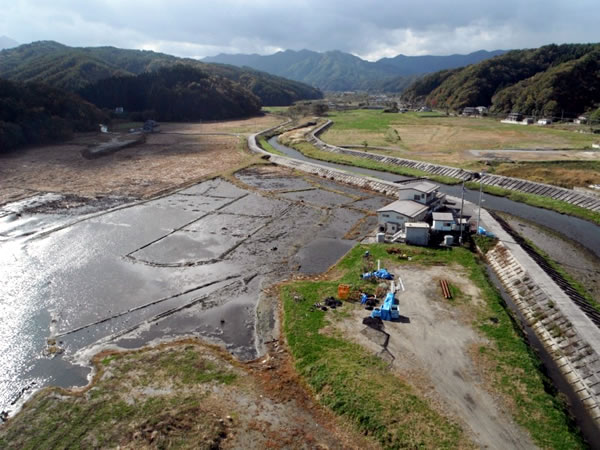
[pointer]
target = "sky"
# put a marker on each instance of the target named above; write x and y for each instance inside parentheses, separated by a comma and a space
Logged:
(371, 29)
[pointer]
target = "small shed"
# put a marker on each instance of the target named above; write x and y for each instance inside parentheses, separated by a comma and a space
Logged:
(515, 117)
(470, 111)
(443, 221)
(417, 233)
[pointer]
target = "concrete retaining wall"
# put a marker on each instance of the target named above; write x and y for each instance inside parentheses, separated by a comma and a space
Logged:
(569, 336)
(514, 184)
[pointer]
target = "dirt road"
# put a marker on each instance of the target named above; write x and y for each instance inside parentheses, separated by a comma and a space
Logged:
(432, 350)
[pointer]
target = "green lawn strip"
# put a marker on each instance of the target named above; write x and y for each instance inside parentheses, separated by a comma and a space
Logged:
(311, 151)
(348, 379)
(357, 385)
(572, 281)
(540, 202)
(264, 144)
(275, 109)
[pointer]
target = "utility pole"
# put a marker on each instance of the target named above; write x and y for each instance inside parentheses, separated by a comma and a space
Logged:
(462, 204)
(481, 174)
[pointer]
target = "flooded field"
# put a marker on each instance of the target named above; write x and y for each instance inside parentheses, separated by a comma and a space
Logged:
(120, 273)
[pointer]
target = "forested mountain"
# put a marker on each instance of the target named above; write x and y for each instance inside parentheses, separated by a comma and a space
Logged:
(74, 68)
(547, 80)
(36, 113)
(176, 93)
(339, 71)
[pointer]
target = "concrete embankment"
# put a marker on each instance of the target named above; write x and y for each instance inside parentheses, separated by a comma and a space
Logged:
(571, 196)
(569, 336)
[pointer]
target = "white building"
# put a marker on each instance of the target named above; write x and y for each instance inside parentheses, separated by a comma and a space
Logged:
(417, 233)
(581, 120)
(443, 221)
(544, 122)
(391, 218)
(423, 192)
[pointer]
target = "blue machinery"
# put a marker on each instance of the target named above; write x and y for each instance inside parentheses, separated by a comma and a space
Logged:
(389, 309)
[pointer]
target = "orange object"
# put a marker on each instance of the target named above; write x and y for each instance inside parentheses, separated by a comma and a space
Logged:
(343, 291)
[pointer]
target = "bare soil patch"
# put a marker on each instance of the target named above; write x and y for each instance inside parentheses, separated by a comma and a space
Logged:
(165, 161)
(431, 349)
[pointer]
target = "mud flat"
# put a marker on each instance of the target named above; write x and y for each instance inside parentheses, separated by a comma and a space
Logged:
(185, 395)
(573, 258)
(191, 263)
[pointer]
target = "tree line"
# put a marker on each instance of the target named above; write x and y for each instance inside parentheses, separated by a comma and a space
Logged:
(32, 113)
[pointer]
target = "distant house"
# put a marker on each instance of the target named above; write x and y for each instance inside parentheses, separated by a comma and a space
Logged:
(581, 120)
(470, 111)
(515, 117)
(393, 217)
(544, 122)
(151, 126)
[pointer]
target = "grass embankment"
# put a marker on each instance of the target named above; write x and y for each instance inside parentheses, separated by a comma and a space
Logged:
(264, 144)
(540, 202)
(311, 151)
(564, 173)
(159, 397)
(572, 281)
(358, 386)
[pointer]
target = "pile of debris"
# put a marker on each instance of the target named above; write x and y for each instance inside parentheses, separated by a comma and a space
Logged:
(329, 302)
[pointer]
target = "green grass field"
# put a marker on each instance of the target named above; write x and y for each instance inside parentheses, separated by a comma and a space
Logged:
(438, 133)
(358, 386)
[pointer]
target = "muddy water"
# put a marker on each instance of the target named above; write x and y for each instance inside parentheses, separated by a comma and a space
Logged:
(585, 233)
(190, 263)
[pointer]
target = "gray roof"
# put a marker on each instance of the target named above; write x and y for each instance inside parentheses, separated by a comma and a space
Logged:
(422, 186)
(444, 217)
(407, 208)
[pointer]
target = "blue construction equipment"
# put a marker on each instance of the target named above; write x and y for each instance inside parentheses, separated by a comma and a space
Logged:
(483, 232)
(389, 309)
(381, 274)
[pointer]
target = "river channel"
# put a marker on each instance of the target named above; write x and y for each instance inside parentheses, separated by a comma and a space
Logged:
(585, 233)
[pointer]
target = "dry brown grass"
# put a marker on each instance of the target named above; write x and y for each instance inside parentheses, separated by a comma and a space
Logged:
(556, 175)
(163, 162)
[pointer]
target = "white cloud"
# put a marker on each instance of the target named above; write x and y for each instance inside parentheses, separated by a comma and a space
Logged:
(368, 28)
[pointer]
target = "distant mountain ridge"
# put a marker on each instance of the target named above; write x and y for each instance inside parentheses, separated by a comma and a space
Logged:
(6, 42)
(74, 68)
(339, 71)
(551, 80)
